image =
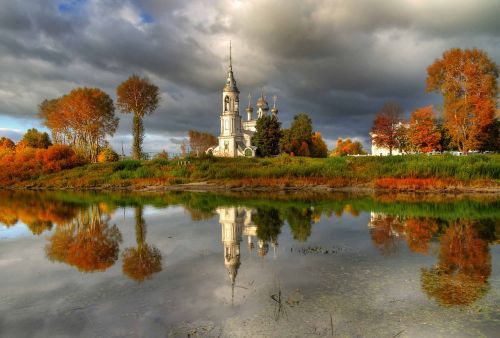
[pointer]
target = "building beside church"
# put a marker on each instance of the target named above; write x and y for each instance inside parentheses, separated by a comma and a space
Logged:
(236, 134)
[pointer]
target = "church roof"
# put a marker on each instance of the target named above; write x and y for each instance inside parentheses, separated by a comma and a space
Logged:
(231, 82)
(262, 103)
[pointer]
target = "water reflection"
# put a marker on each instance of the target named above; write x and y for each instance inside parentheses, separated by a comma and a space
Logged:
(87, 242)
(460, 277)
(143, 261)
(81, 234)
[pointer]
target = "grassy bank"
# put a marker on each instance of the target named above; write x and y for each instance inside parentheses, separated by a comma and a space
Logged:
(416, 172)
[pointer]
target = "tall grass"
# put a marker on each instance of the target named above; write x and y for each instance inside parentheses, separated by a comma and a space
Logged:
(284, 169)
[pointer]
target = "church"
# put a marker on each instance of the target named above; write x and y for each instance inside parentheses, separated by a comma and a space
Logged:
(235, 134)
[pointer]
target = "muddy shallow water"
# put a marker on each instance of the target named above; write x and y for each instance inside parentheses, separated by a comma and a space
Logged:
(212, 265)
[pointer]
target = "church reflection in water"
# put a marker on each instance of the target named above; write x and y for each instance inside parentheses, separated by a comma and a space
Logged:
(237, 223)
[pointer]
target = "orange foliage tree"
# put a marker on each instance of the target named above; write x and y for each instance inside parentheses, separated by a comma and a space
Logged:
(423, 133)
(318, 146)
(348, 147)
(7, 144)
(468, 81)
(387, 130)
(81, 119)
(461, 276)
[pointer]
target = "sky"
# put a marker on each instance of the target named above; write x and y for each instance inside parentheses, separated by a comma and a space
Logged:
(336, 60)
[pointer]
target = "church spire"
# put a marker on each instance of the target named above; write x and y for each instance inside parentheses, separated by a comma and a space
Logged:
(274, 111)
(230, 82)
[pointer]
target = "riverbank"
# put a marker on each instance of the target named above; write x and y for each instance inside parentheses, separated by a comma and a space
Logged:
(447, 174)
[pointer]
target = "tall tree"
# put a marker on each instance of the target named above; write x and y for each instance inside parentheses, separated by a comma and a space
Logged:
(81, 119)
(199, 141)
(423, 133)
(35, 139)
(468, 81)
(267, 136)
(298, 138)
(138, 96)
(387, 129)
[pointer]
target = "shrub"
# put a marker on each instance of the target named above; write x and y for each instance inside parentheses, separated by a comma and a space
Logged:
(127, 165)
(162, 155)
(107, 155)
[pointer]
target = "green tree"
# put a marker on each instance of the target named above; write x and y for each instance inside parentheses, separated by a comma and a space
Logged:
(35, 139)
(138, 96)
(267, 136)
(491, 139)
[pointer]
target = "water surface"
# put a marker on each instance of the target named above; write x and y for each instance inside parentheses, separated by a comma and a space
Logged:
(212, 265)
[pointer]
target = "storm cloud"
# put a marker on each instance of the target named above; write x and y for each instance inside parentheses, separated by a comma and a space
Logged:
(337, 60)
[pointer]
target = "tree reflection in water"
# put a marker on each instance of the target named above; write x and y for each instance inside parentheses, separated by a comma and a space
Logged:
(269, 223)
(87, 242)
(141, 262)
(38, 214)
(461, 275)
(385, 231)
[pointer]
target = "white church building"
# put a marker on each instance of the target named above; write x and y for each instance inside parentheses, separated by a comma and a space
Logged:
(235, 134)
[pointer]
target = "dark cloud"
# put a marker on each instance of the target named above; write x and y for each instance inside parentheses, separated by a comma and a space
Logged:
(336, 60)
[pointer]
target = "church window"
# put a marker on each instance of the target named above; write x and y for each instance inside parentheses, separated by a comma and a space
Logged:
(248, 152)
(226, 103)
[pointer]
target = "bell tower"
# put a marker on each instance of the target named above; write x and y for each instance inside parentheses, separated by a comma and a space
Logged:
(230, 119)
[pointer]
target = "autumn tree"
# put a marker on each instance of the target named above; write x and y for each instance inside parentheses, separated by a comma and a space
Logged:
(82, 119)
(318, 147)
(143, 261)
(387, 130)
(348, 147)
(468, 81)
(138, 96)
(267, 136)
(7, 144)
(35, 139)
(423, 133)
(298, 138)
(199, 141)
